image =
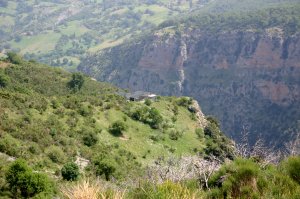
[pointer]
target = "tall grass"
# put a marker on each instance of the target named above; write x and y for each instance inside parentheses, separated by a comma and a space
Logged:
(85, 189)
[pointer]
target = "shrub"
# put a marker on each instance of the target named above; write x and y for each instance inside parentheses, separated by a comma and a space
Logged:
(147, 115)
(292, 167)
(148, 102)
(14, 58)
(22, 180)
(90, 139)
(84, 111)
(174, 134)
(70, 171)
(55, 154)
(117, 128)
(200, 133)
(77, 81)
(237, 179)
(4, 80)
(105, 166)
(184, 101)
(9, 145)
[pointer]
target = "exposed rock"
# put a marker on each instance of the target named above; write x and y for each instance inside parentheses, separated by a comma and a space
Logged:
(245, 78)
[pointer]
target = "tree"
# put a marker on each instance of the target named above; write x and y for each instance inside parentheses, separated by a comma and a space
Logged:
(117, 128)
(77, 81)
(21, 179)
(106, 167)
(70, 171)
(90, 139)
(14, 58)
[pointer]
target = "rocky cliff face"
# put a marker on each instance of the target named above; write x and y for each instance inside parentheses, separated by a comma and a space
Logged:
(248, 79)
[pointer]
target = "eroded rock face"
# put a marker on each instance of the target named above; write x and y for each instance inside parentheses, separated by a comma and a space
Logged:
(245, 78)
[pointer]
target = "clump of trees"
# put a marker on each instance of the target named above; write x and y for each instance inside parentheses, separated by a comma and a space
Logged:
(77, 81)
(14, 58)
(23, 182)
(147, 115)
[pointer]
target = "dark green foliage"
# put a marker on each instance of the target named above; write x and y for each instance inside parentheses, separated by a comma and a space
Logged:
(70, 171)
(90, 139)
(56, 154)
(184, 101)
(148, 102)
(174, 134)
(4, 79)
(292, 167)
(105, 166)
(14, 58)
(23, 181)
(117, 128)
(77, 81)
(147, 115)
(216, 143)
(244, 178)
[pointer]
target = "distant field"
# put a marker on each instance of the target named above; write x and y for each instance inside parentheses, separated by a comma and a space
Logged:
(71, 28)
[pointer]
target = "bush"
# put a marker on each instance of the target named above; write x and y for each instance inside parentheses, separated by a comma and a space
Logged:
(148, 102)
(22, 180)
(105, 166)
(239, 179)
(56, 154)
(200, 133)
(117, 128)
(9, 145)
(174, 134)
(147, 115)
(70, 171)
(292, 167)
(90, 139)
(14, 58)
(77, 81)
(4, 80)
(184, 101)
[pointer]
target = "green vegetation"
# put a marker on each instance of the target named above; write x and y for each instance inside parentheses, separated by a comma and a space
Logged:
(77, 82)
(117, 128)
(70, 171)
(46, 123)
(49, 125)
(63, 34)
(23, 182)
(246, 179)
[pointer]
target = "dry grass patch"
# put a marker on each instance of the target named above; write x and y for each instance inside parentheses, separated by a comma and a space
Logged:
(86, 189)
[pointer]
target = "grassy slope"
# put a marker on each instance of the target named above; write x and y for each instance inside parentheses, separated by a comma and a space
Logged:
(38, 112)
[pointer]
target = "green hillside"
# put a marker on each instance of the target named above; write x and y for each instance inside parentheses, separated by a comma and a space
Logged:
(59, 32)
(48, 119)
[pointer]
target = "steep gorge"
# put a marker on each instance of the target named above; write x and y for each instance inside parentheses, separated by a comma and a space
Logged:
(248, 78)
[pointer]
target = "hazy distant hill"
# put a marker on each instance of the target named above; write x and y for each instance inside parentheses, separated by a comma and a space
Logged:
(60, 32)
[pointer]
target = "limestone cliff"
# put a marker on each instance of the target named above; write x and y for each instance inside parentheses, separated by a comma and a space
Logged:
(246, 78)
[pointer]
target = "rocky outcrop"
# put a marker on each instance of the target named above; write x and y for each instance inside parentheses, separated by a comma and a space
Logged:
(245, 78)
